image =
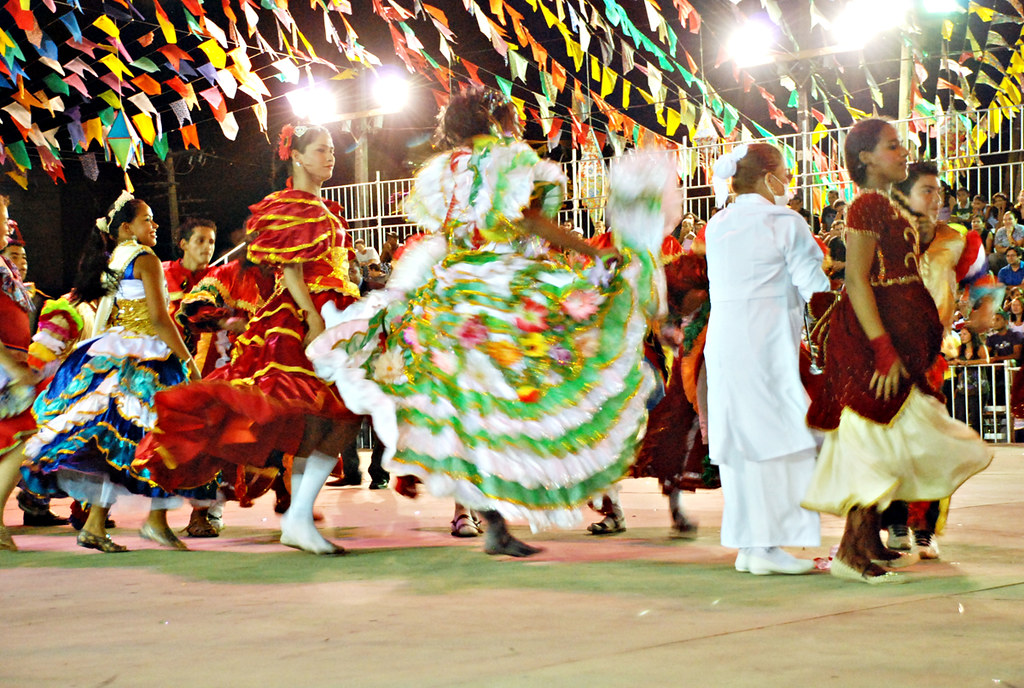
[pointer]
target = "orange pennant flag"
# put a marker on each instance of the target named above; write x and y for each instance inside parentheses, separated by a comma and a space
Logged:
(189, 136)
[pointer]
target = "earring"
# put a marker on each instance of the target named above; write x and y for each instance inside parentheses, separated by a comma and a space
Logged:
(298, 164)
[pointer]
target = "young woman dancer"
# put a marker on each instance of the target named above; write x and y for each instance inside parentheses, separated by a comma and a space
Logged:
(889, 436)
(99, 404)
(508, 380)
(268, 398)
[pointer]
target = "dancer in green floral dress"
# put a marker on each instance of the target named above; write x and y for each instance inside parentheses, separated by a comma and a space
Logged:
(495, 373)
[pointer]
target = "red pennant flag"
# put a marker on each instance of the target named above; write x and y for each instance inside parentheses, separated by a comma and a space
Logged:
(474, 72)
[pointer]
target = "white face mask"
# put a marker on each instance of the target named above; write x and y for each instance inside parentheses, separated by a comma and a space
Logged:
(782, 200)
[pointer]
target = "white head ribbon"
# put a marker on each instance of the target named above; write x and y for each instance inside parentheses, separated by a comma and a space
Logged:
(103, 223)
(725, 168)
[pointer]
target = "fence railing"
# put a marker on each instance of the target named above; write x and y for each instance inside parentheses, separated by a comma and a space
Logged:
(979, 395)
(981, 150)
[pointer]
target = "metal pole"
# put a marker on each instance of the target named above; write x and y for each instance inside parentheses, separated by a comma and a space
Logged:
(804, 162)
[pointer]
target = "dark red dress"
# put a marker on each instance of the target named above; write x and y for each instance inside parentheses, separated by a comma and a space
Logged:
(15, 336)
(259, 402)
(908, 315)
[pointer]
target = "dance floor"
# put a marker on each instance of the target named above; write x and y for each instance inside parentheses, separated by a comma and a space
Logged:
(411, 606)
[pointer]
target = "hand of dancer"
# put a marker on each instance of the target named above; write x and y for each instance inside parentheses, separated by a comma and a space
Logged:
(609, 256)
(885, 381)
(886, 386)
(315, 325)
(233, 324)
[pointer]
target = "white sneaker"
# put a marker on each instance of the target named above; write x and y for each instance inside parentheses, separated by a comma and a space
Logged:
(899, 538)
(763, 561)
(927, 544)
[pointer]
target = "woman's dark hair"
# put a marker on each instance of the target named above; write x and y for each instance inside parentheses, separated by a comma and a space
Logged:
(302, 135)
(761, 158)
(187, 228)
(94, 278)
(915, 171)
(473, 112)
(863, 138)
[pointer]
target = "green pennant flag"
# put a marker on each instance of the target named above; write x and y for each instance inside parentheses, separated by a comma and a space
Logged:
(17, 151)
(145, 64)
(504, 85)
(107, 116)
(794, 99)
(730, 119)
(56, 84)
(160, 146)
(876, 93)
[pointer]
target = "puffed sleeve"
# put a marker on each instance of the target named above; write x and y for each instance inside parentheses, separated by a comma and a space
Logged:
(291, 227)
(870, 213)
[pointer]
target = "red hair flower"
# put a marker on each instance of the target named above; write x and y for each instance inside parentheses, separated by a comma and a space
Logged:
(284, 141)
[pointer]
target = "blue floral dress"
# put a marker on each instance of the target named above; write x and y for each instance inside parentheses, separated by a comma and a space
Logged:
(99, 405)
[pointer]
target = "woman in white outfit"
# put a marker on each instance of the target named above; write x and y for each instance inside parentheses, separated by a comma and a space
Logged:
(763, 265)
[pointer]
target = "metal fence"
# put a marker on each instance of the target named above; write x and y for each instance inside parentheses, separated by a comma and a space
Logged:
(979, 395)
(981, 150)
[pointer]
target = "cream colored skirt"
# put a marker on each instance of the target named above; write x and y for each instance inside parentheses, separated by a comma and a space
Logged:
(922, 455)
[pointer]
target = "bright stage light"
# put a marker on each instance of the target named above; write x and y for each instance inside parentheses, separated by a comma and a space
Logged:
(942, 6)
(391, 91)
(315, 104)
(862, 20)
(751, 43)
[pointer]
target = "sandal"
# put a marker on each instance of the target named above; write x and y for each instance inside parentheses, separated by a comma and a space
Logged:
(199, 525)
(103, 544)
(609, 525)
(162, 537)
(465, 526)
(6, 541)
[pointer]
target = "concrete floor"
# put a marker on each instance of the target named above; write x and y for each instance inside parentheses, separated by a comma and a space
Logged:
(412, 606)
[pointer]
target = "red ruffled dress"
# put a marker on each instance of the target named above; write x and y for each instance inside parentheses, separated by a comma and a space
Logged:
(180, 281)
(15, 336)
(907, 448)
(258, 403)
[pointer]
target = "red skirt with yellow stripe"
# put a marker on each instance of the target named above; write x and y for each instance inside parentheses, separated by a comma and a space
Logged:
(248, 409)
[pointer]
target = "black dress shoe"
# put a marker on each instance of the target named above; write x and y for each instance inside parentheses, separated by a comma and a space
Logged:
(346, 481)
(43, 520)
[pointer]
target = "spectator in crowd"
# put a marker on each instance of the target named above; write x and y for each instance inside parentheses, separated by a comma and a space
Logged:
(796, 203)
(948, 201)
(387, 251)
(1003, 343)
(986, 234)
(1018, 207)
(1016, 312)
(979, 208)
(994, 214)
(835, 240)
(828, 213)
(1012, 274)
(962, 207)
(366, 254)
(1009, 233)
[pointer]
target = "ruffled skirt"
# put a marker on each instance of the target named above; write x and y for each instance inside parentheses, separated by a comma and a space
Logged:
(248, 410)
(507, 383)
(93, 414)
(922, 455)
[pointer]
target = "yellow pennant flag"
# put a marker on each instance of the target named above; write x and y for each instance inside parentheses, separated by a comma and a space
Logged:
(216, 54)
(93, 130)
(144, 126)
(104, 24)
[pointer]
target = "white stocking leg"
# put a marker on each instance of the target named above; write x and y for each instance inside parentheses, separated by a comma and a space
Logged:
(297, 528)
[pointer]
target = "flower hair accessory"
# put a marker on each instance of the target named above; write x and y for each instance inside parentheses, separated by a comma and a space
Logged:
(284, 141)
(103, 223)
(725, 168)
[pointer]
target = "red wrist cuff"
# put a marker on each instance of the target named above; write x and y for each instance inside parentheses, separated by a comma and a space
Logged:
(885, 353)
